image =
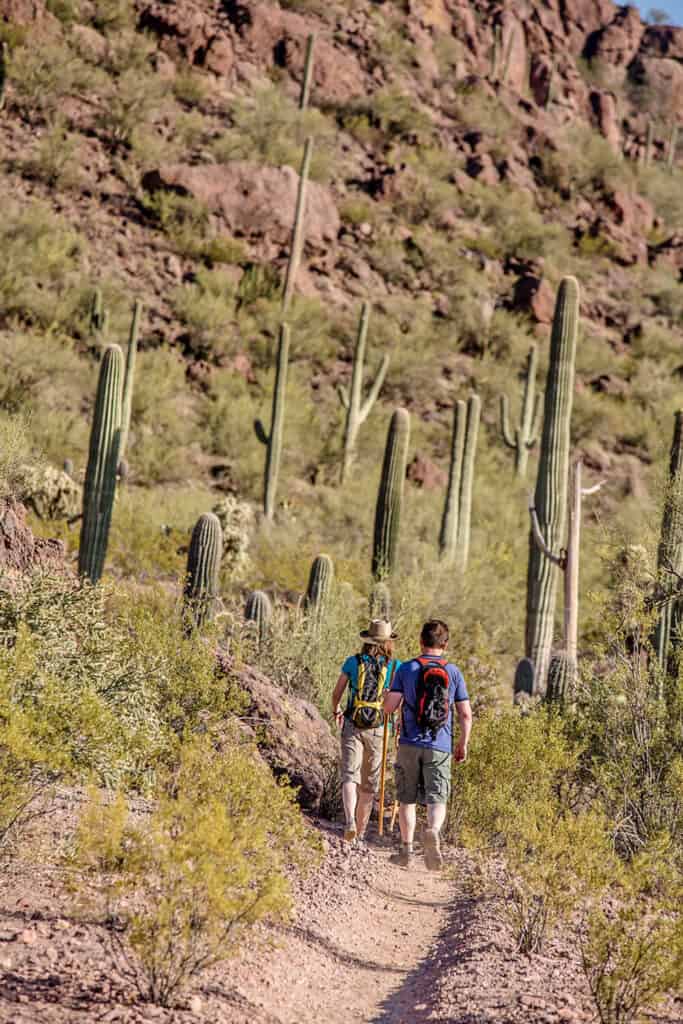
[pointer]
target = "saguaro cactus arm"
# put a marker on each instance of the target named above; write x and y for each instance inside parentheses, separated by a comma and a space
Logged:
(357, 410)
(505, 422)
(539, 540)
(128, 381)
(375, 389)
(536, 422)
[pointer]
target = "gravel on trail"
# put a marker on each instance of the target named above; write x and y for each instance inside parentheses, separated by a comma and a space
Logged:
(368, 942)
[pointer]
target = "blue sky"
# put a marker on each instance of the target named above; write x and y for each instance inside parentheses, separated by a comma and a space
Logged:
(674, 8)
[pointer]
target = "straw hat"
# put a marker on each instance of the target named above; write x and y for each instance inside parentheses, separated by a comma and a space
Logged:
(378, 630)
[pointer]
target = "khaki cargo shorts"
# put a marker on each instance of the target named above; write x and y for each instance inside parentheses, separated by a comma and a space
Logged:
(361, 756)
(422, 775)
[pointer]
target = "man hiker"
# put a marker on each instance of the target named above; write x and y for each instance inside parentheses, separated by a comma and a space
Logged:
(427, 689)
(368, 676)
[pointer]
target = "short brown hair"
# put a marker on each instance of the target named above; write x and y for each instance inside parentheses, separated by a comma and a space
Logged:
(434, 634)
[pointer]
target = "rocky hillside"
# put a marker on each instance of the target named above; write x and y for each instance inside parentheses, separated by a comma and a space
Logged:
(466, 156)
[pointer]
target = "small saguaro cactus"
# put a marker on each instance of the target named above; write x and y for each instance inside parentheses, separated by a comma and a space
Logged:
(550, 498)
(390, 496)
(454, 538)
(379, 602)
(673, 146)
(649, 142)
(561, 678)
(103, 458)
(527, 432)
(297, 243)
(320, 580)
(357, 410)
(670, 553)
(308, 73)
(524, 677)
(203, 567)
(99, 317)
(273, 439)
(258, 611)
(129, 379)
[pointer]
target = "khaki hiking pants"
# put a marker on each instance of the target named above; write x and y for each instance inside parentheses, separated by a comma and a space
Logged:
(361, 756)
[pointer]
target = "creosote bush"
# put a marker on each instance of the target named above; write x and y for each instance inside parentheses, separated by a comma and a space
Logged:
(209, 861)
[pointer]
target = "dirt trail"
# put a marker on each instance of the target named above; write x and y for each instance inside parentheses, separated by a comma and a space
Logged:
(355, 946)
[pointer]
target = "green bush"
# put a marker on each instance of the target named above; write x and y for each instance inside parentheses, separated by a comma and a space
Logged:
(207, 863)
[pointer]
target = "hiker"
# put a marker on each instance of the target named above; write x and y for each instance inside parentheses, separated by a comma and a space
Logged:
(368, 675)
(427, 689)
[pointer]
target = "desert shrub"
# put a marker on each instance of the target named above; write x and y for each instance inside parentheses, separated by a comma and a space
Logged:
(268, 127)
(190, 87)
(582, 161)
(206, 864)
(14, 451)
(132, 100)
(53, 160)
(40, 278)
(112, 15)
(390, 113)
(207, 308)
(632, 949)
(663, 189)
(43, 75)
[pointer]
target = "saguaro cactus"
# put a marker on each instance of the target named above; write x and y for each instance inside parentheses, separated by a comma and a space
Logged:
(3, 72)
(390, 495)
(454, 539)
(550, 499)
(526, 434)
(308, 73)
(524, 677)
(203, 567)
(670, 553)
(673, 146)
(129, 379)
(649, 142)
(259, 611)
(357, 410)
(273, 439)
(103, 458)
(567, 559)
(297, 243)
(320, 581)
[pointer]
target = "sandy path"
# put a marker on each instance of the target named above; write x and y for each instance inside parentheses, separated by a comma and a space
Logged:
(354, 945)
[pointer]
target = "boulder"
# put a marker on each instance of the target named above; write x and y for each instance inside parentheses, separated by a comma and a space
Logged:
(605, 110)
(535, 296)
(186, 31)
(631, 211)
(425, 473)
(256, 203)
(20, 551)
(292, 736)
(662, 41)
(617, 43)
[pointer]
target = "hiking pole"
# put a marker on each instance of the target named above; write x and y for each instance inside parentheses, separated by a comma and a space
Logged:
(394, 809)
(383, 776)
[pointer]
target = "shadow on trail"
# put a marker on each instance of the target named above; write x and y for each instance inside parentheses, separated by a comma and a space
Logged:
(314, 938)
(414, 1002)
(411, 901)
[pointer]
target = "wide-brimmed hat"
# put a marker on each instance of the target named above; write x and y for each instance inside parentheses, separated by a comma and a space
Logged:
(379, 630)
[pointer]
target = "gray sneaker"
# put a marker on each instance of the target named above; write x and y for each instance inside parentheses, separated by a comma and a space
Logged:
(432, 849)
(404, 857)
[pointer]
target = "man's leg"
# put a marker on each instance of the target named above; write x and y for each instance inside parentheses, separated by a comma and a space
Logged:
(437, 780)
(407, 818)
(407, 779)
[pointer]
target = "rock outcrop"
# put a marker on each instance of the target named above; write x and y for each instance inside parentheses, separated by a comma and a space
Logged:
(20, 551)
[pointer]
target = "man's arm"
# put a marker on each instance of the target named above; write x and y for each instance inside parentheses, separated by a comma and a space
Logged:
(337, 695)
(392, 701)
(464, 710)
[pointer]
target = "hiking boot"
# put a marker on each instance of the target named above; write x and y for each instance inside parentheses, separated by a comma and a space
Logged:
(350, 833)
(404, 857)
(432, 849)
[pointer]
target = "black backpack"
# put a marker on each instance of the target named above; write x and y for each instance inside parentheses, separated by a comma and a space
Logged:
(432, 703)
(367, 696)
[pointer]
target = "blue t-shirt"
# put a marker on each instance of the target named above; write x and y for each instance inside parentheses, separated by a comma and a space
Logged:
(405, 682)
(350, 669)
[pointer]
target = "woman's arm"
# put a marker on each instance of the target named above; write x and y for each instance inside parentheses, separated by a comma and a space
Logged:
(337, 695)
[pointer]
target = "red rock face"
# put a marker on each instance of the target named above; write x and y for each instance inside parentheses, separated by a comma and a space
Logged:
(20, 551)
(256, 203)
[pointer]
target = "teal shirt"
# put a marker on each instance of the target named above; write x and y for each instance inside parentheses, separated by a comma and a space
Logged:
(350, 670)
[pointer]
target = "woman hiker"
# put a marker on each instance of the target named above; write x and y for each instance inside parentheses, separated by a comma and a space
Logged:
(368, 676)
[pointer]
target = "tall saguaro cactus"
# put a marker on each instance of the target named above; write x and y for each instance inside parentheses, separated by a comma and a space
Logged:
(273, 439)
(670, 553)
(550, 498)
(203, 567)
(526, 433)
(673, 146)
(103, 459)
(3, 72)
(454, 539)
(357, 410)
(390, 495)
(129, 379)
(297, 243)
